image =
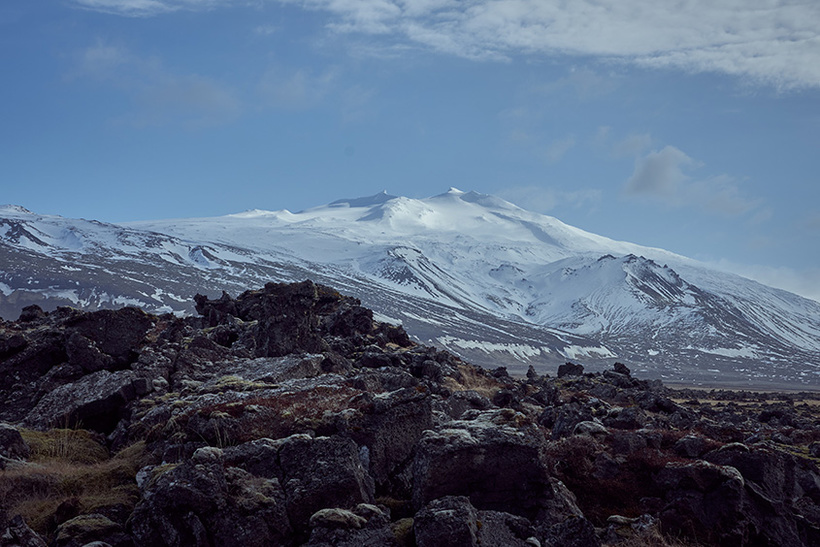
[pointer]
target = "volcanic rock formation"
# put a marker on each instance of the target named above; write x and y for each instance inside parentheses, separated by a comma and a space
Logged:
(288, 416)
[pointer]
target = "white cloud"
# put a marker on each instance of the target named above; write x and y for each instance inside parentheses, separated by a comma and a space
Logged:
(542, 200)
(664, 176)
(158, 95)
(769, 41)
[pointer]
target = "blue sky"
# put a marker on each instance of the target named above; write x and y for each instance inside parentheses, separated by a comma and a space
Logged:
(694, 128)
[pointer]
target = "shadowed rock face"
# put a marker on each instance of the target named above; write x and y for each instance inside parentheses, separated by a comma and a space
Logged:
(41, 352)
(287, 416)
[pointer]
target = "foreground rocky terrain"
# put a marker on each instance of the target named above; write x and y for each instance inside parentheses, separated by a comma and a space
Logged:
(288, 416)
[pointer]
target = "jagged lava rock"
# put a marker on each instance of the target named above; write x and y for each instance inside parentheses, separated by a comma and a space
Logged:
(288, 416)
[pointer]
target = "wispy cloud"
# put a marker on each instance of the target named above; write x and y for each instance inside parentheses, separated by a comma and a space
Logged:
(295, 89)
(558, 148)
(130, 8)
(632, 145)
(775, 42)
(665, 175)
(158, 95)
(543, 199)
(584, 83)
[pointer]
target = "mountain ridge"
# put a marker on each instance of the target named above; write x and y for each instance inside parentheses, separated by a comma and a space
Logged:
(464, 260)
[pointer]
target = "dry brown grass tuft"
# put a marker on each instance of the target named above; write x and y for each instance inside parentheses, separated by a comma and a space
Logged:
(65, 445)
(474, 379)
(276, 416)
(66, 477)
(652, 538)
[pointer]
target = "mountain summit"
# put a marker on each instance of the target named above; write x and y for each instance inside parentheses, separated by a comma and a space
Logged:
(467, 271)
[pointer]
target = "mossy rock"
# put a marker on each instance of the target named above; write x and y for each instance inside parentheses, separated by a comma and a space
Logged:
(87, 528)
(403, 532)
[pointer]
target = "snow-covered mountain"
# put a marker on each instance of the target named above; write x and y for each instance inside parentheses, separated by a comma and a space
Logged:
(473, 273)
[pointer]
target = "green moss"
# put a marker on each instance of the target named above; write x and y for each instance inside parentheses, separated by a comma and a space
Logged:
(403, 532)
(87, 527)
(234, 383)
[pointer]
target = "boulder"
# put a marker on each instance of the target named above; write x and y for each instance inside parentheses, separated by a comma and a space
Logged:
(95, 401)
(452, 520)
(389, 428)
(704, 501)
(320, 473)
(336, 518)
(631, 417)
(108, 337)
(499, 528)
(461, 401)
(18, 534)
(11, 343)
(783, 493)
(12, 444)
(365, 524)
(31, 314)
(314, 473)
(570, 369)
(621, 368)
(497, 465)
(572, 532)
(84, 529)
(591, 428)
(83, 353)
(563, 419)
(200, 502)
(690, 446)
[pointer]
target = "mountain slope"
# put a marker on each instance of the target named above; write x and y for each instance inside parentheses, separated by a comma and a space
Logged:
(488, 280)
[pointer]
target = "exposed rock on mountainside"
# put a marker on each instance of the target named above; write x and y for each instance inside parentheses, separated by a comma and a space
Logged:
(466, 272)
(288, 416)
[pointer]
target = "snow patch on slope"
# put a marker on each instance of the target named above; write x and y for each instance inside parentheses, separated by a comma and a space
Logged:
(523, 352)
(581, 352)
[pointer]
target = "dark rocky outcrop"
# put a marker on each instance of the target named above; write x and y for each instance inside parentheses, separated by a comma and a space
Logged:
(453, 520)
(288, 416)
(12, 444)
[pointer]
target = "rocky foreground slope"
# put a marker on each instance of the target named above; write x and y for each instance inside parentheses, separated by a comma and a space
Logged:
(287, 416)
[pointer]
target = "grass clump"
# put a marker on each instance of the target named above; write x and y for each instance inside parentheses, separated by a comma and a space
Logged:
(473, 379)
(70, 473)
(76, 446)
